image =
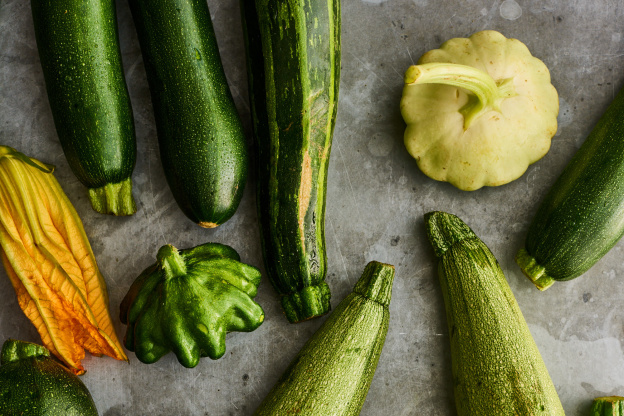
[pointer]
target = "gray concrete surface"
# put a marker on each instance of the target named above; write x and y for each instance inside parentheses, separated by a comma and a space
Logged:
(376, 200)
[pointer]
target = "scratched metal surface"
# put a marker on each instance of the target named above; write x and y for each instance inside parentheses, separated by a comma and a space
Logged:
(376, 199)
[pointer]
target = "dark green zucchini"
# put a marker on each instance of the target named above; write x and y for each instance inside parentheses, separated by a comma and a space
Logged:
(293, 60)
(79, 50)
(333, 371)
(582, 216)
(202, 141)
(497, 368)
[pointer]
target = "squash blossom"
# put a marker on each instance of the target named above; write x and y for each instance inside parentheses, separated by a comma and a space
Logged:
(47, 256)
(478, 111)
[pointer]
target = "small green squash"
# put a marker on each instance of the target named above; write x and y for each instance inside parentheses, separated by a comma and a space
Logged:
(188, 301)
(332, 373)
(33, 384)
(497, 368)
(608, 406)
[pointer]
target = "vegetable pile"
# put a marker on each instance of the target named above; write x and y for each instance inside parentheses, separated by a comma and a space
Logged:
(478, 110)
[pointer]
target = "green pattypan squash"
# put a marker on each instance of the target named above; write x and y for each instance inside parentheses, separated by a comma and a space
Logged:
(478, 111)
(188, 301)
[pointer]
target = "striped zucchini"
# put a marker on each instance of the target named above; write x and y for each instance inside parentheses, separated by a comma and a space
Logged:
(582, 216)
(497, 368)
(79, 51)
(293, 60)
(332, 373)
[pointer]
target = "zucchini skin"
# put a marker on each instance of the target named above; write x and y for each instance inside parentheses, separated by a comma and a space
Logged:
(79, 50)
(202, 143)
(293, 60)
(497, 368)
(332, 373)
(582, 216)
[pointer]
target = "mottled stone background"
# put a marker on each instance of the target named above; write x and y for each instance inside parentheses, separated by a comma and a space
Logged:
(376, 200)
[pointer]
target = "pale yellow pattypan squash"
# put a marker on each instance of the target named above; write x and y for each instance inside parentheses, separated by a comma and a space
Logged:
(479, 111)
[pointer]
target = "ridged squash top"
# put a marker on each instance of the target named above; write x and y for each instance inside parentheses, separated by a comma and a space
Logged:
(478, 111)
(497, 368)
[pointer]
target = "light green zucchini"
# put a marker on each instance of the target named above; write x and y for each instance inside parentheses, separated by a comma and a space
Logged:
(331, 375)
(497, 368)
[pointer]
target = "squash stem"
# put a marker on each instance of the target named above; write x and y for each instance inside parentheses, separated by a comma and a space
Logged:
(376, 282)
(308, 303)
(14, 350)
(171, 261)
(487, 93)
(444, 230)
(113, 198)
(533, 270)
(608, 406)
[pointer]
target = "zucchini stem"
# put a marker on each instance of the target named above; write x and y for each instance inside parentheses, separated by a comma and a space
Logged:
(171, 261)
(308, 303)
(14, 350)
(113, 198)
(486, 93)
(533, 270)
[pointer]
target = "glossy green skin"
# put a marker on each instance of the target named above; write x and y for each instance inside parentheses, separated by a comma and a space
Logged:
(33, 384)
(188, 301)
(497, 368)
(79, 51)
(202, 142)
(608, 406)
(582, 216)
(293, 59)
(332, 373)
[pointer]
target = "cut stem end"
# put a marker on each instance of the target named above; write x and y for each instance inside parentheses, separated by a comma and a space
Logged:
(308, 303)
(534, 271)
(113, 198)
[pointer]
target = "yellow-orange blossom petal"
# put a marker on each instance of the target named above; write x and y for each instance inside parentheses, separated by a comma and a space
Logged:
(48, 258)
